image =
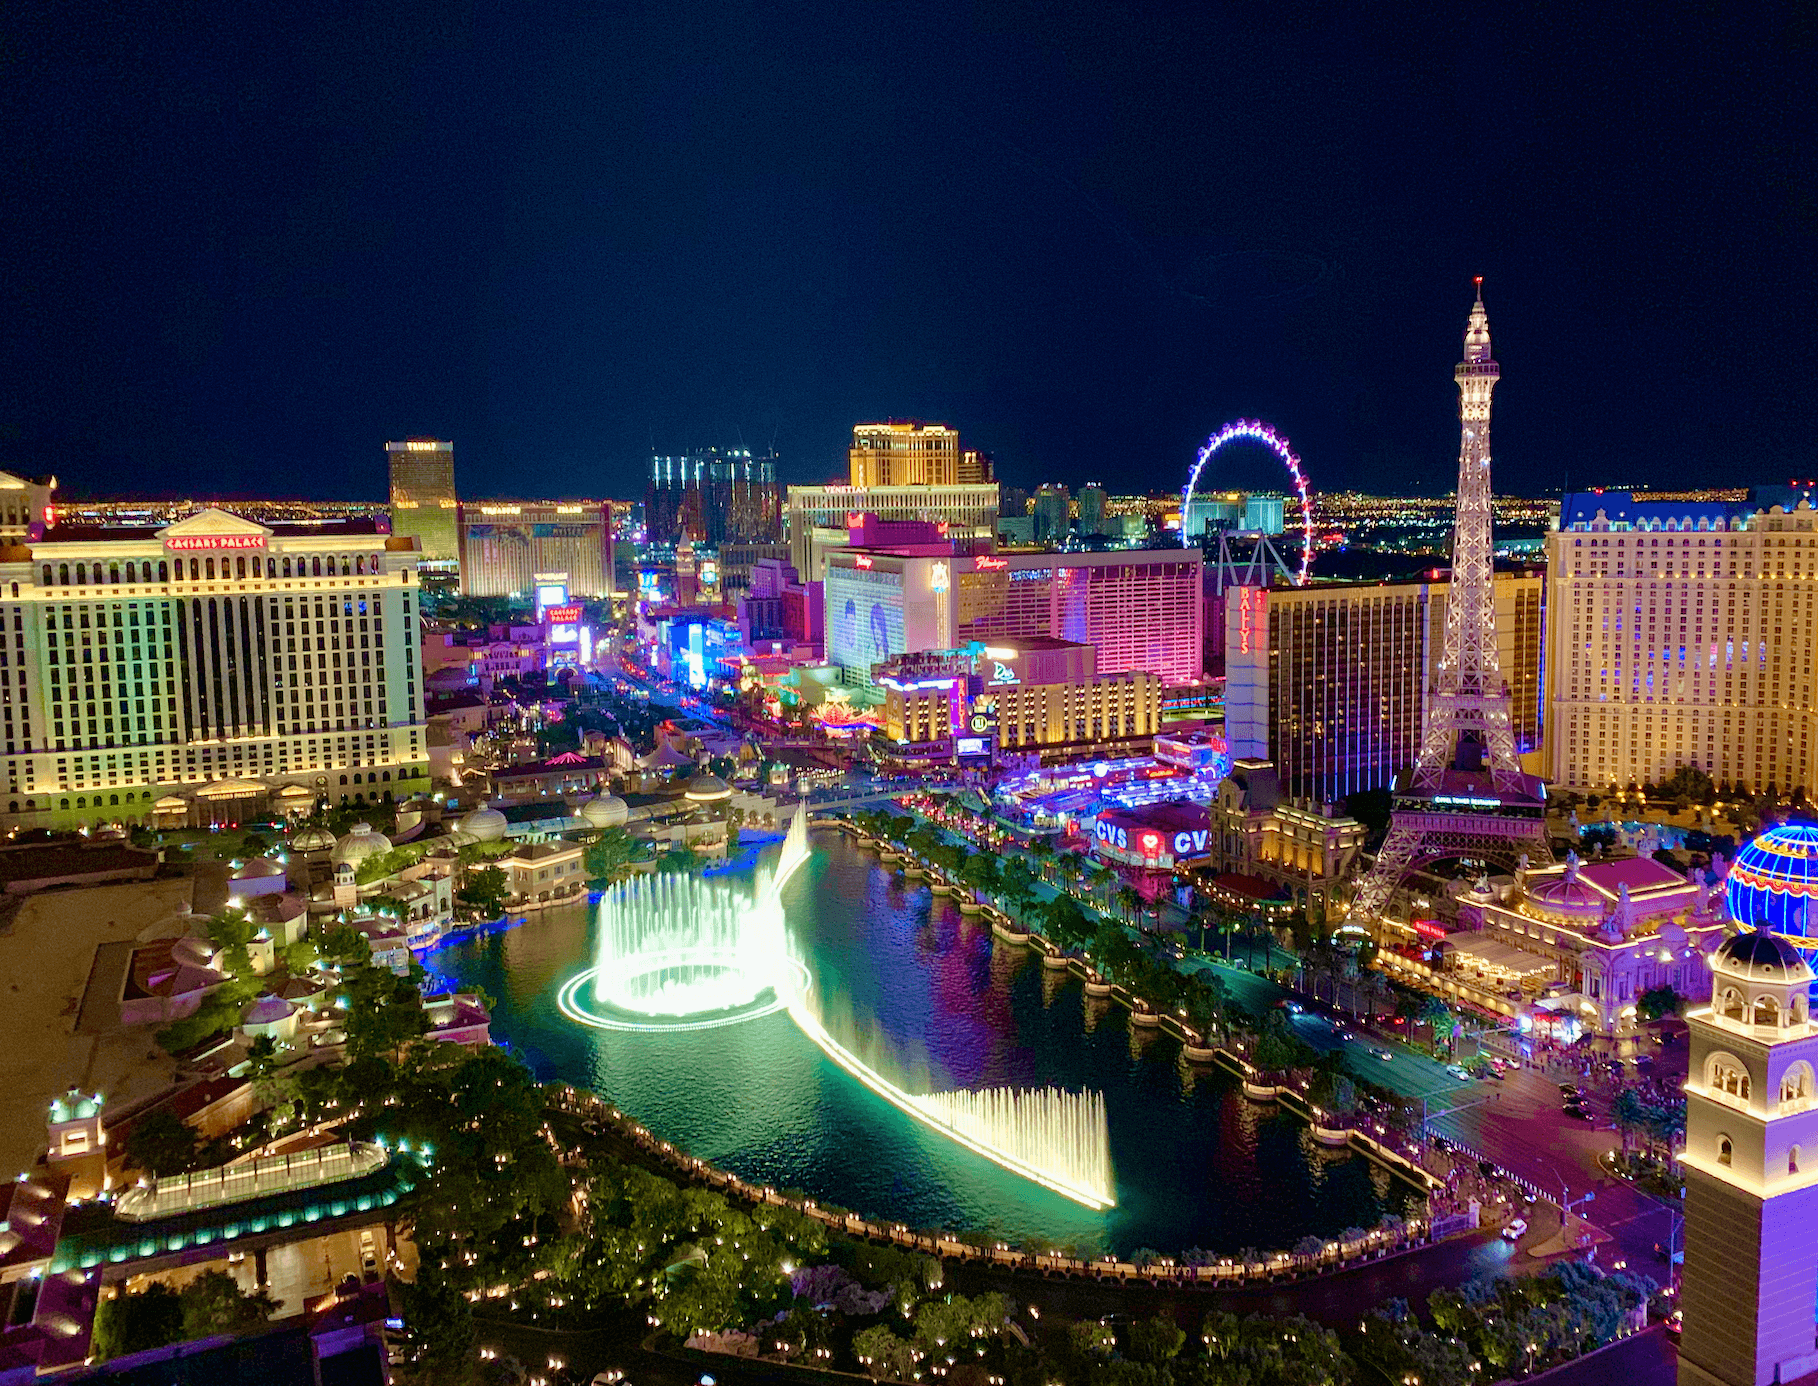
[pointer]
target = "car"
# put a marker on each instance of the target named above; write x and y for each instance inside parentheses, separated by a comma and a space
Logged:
(1347, 1035)
(1383, 1054)
(1459, 1071)
(1578, 1112)
(1570, 1090)
(1513, 1229)
(1499, 1067)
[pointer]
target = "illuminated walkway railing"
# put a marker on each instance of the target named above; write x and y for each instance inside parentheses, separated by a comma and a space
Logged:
(275, 1174)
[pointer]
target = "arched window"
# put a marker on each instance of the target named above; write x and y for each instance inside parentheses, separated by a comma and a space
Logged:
(1727, 1079)
(271, 567)
(1796, 1087)
(63, 803)
(63, 574)
(1733, 1007)
(47, 575)
(195, 570)
(315, 567)
(163, 572)
(287, 567)
(239, 567)
(1767, 1011)
(111, 799)
(208, 567)
(113, 573)
(13, 807)
(81, 803)
(1725, 1150)
(82, 575)
(343, 779)
(360, 566)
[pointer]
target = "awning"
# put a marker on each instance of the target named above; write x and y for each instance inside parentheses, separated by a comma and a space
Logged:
(1493, 953)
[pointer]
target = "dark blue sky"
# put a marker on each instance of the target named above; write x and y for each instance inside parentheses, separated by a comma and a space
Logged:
(243, 245)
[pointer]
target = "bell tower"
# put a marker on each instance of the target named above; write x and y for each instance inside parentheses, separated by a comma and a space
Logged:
(1750, 1287)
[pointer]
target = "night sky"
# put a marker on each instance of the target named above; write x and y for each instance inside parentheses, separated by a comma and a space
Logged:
(243, 245)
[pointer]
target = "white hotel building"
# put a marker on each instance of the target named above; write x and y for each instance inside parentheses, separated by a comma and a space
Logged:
(1683, 633)
(214, 670)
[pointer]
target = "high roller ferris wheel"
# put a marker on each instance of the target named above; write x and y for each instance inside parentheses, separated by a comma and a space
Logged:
(1256, 431)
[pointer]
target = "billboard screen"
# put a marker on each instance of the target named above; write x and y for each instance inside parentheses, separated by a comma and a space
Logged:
(864, 616)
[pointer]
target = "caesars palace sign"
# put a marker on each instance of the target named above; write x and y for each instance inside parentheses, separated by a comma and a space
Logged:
(191, 543)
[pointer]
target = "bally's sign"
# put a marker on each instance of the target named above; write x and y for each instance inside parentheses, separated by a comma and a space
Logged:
(190, 543)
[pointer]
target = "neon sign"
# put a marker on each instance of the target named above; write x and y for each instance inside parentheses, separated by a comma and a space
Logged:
(1002, 673)
(989, 564)
(1466, 801)
(861, 561)
(1250, 602)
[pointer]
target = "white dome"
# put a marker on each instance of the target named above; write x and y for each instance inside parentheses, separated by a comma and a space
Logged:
(312, 840)
(707, 788)
(605, 811)
(360, 844)
(257, 868)
(484, 824)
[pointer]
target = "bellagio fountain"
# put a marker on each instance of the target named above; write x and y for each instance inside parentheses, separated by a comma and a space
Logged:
(688, 952)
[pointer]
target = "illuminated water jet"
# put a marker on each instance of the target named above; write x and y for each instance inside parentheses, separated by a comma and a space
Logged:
(693, 953)
(690, 952)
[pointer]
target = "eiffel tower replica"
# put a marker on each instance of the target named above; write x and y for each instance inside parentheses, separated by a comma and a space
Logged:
(1466, 796)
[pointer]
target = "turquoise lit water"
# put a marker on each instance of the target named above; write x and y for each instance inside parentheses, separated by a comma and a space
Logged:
(1196, 1163)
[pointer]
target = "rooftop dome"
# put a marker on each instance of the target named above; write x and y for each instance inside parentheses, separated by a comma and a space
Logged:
(1762, 956)
(1568, 895)
(312, 840)
(484, 824)
(259, 867)
(196, 952)
(605, 811)
(266, 1010)
(706, 788)
(1773, 883)
(360, 844)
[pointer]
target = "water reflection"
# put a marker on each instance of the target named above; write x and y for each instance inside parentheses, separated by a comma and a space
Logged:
(1196, 1163)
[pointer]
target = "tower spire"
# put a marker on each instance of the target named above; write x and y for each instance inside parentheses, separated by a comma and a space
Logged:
(1468, 724)
(1467, 796)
